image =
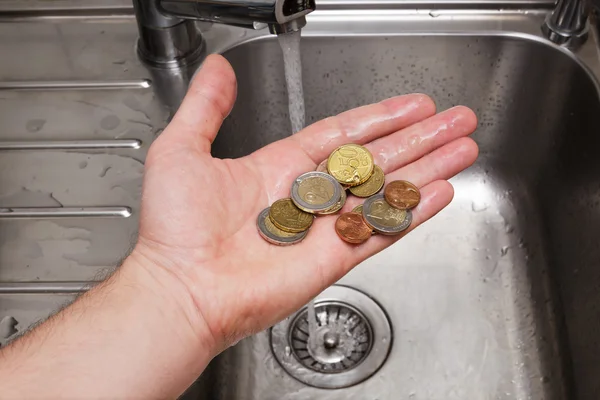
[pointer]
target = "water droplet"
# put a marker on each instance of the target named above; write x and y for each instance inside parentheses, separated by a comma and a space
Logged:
(35, 125)
(110, 122)
(477, 206)
(103, 172)
(8, 327)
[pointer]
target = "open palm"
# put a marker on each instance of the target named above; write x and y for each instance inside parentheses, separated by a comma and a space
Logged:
(199, 213)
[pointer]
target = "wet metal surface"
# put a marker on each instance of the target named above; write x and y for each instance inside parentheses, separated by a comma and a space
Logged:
(77, 114)
(485, 299)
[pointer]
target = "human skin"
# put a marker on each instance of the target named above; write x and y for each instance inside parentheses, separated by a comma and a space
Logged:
(200, 277)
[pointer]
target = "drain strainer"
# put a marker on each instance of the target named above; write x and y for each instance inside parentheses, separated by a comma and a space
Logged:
(351, 342)
(342, 341)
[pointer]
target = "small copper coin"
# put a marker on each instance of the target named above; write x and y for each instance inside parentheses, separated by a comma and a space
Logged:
(402, 195)
(359, 210)
(352, 228)
(322, 167)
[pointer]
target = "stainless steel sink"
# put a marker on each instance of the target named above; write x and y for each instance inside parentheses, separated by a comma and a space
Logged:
(495, 298)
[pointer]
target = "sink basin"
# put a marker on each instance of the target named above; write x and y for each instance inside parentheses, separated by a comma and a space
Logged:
(496, 298)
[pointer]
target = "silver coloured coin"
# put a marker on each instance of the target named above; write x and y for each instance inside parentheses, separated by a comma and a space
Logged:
(315, 192)
(273, 234)
(384, 218)
(338, 206)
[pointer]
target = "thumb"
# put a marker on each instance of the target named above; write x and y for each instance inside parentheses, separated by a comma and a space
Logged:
(208, 101)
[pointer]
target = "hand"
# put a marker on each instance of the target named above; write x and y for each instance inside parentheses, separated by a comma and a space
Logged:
(198, 217)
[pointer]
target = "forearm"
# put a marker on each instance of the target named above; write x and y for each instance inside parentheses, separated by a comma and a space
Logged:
(133, 336)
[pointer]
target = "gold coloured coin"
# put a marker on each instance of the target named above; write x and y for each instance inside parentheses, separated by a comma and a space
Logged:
(350, 164)
(323, 168)
(372, 186)
(287, 217)
(337, 207)
(273, 234)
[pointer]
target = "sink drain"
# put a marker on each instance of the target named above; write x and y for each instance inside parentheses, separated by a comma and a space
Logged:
(343, 338)
(352, 340)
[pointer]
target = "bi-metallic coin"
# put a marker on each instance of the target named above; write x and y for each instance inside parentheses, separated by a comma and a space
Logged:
(315, 192)
(337, 207)
(384, 218)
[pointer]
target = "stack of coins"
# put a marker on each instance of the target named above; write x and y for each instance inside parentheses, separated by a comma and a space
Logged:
(323, 192)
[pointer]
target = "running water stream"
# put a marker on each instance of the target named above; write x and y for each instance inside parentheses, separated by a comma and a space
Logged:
(290, 45)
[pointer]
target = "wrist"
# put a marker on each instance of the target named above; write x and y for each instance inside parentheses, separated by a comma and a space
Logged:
(135, 330)
(166, 292)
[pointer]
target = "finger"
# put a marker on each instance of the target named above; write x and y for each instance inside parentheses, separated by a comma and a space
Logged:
(442, 163)
(208, 101)
(363, 124)
(412, 143)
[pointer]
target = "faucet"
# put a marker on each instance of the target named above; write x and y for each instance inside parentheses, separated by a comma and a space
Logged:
(567, 24)
(169, 38)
